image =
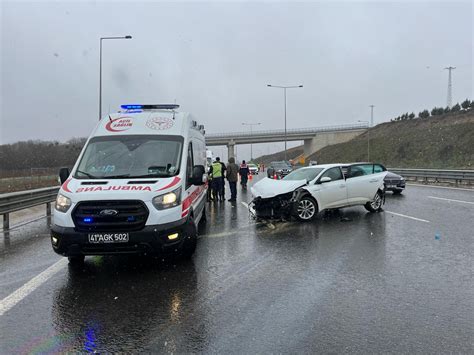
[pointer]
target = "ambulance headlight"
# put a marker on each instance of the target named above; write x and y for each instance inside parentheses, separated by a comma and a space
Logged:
(168, 200)
(62, 203)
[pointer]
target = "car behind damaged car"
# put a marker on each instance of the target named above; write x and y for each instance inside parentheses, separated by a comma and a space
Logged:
(306, 191)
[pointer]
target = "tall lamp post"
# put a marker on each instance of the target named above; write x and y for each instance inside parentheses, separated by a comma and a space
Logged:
(100, 69)
(284, 90)
(368, 139)
(251, 125)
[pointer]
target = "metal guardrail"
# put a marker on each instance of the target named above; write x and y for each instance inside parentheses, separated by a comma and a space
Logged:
(16, 201)
(437, 175)
(288, 131)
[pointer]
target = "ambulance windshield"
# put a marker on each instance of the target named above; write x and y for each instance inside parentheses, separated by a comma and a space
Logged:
(132, 156)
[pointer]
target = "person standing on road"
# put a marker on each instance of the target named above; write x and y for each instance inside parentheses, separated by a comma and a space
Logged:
(232, 171)
(217, 179)
(244, 174)
(224, 168)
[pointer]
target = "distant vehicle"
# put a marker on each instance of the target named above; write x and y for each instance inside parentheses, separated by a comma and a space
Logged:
(138, 186)
(253, 169)
(313, 162)
(278, 169)
(394, 182)
(306, 191)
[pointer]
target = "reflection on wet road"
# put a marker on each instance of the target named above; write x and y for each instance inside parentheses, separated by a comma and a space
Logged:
(399, 281)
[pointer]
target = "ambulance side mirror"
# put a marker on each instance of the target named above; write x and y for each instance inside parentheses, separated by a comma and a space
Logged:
(63, 175)
(198, 175)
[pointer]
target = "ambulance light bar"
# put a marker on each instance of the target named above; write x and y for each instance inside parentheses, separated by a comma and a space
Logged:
(150, 107)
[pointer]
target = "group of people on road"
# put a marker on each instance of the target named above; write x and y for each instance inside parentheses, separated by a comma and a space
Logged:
(218, 172)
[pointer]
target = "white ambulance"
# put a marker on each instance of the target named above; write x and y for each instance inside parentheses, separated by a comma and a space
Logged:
(138, 186)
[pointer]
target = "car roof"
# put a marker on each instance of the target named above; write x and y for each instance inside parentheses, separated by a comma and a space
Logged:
(324, 166)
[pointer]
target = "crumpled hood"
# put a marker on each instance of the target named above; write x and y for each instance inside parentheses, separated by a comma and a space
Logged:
(268, 188)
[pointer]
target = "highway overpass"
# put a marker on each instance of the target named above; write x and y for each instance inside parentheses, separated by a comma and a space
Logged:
(314, 138)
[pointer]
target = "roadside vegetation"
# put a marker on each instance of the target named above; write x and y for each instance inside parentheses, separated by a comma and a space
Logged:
(440, 138)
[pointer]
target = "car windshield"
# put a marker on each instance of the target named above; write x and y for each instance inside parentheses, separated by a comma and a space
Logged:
(280, 166)
(130, 157)
(307, 174)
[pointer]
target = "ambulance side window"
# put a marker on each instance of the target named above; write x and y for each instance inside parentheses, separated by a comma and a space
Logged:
(189, 166)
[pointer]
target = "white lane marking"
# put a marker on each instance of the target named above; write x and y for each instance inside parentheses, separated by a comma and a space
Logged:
(451, 200)
(441, 187)
(10, 301)
(405, 216)
(245, 204)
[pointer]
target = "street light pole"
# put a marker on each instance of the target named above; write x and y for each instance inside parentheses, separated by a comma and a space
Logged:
(284, 90)
(251, 132)
(371, 115)
(368, 139)
(100, 69)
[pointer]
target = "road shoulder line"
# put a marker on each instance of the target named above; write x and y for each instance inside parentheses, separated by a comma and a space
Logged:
(441, 187)
(450, 200)
(14, 298)
(410, 217)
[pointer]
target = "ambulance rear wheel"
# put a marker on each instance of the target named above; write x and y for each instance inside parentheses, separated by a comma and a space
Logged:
(190, 235)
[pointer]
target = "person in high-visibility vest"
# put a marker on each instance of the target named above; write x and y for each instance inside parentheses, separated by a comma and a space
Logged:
(217, 179)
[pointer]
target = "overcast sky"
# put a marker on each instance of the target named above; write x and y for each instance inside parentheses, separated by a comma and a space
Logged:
(216, 58)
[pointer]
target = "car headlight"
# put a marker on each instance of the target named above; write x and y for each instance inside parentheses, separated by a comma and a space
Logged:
(168, 200)
(62, 203)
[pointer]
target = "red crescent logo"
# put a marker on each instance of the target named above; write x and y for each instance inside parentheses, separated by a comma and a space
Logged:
(65, 187)
(119, 124)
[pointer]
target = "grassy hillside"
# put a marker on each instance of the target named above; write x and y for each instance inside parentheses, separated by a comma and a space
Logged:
(291, 154)
(443, 142)
(438, 142)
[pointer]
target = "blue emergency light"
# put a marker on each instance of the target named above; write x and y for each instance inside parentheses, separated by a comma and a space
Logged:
(150, 107)
(131, 107)
(87, 220)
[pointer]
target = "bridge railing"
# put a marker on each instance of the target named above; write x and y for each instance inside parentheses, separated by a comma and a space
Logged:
(16, 201)
(288, 131)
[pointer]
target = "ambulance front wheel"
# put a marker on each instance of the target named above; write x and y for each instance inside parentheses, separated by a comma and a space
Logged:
(189, 245)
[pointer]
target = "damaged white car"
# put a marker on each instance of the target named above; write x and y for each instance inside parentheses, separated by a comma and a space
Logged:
(306, 191)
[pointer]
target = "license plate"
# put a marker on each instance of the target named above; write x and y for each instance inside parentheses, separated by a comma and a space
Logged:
(99, 238)
(391, 186)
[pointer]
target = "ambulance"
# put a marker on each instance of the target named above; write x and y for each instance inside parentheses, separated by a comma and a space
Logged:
(139, 186)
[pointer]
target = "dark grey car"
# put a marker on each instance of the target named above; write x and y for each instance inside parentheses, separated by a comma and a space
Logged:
(394, 182)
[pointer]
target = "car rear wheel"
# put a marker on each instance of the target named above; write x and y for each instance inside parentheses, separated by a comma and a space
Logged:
(306, 209)
(376, 204)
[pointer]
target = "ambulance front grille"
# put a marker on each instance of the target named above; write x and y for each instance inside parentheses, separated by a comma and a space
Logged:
(110, 216)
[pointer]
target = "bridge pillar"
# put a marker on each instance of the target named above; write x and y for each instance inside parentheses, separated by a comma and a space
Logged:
(230, 149)
(323, 139)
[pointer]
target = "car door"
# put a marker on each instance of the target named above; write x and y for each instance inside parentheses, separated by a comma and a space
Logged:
(330, 194)
(362, 183)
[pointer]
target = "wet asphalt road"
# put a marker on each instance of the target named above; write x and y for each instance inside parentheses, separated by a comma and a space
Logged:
(348, 282)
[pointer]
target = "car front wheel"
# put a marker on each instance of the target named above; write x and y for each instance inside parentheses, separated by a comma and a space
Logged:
(306, 209)
(376, 204)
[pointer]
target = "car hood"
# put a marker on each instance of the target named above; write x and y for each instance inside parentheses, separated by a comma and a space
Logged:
(392, 176)
(268, 188)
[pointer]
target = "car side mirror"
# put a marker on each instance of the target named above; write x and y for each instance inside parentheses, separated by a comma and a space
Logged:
(325, 179)
(63, 175)
(198, 177)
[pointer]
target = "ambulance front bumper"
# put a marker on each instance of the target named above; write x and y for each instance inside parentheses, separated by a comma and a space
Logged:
(153, 239)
